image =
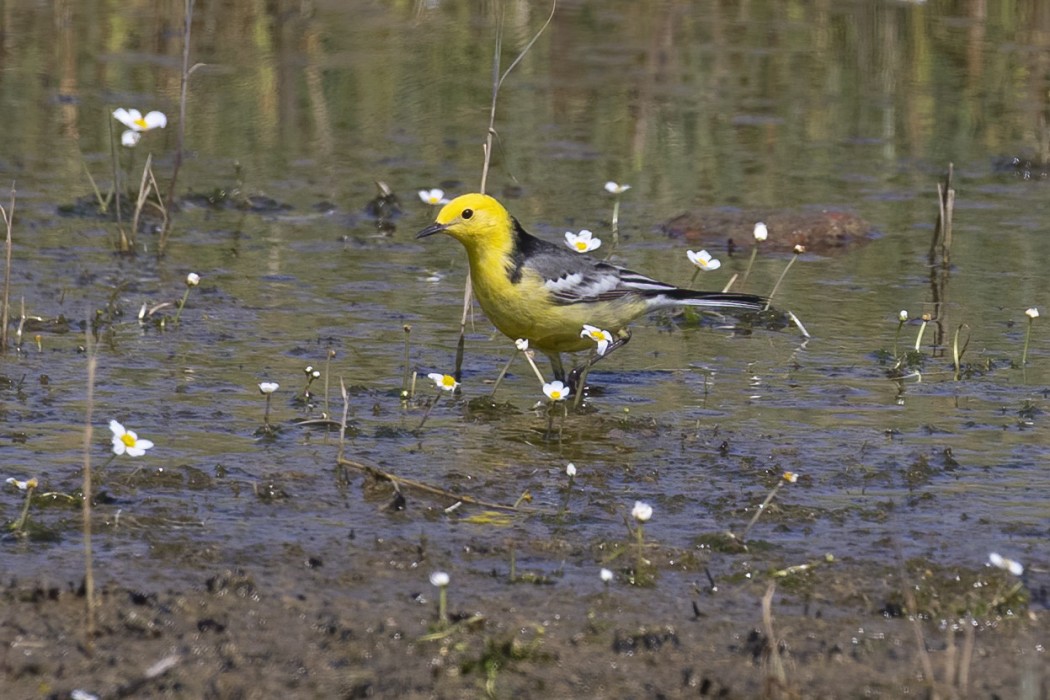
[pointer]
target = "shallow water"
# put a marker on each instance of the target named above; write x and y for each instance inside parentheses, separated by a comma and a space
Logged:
(858, 105)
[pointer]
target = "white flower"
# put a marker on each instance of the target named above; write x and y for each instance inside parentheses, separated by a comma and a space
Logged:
(603, 338)
(790, 477)
(642, 511)
(570, 470)
(761, 232)
(1032, 313)
(582, 242)
(606, 575)
(136, 123)
(703, 260)
(434, 196)
(521, 344)
(613, 188)
(1002, 562)
(439, 579)
(799, 249)
(555, 391)
(268, 387)
(133, 119)
(444, 381)
(903, 315)
(193, 279)
(23, 485)
(126, 441)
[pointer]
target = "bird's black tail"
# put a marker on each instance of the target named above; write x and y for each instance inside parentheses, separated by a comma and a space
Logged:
(717, 300)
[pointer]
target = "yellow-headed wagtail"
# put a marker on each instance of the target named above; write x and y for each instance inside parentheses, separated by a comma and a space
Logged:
(544, 293)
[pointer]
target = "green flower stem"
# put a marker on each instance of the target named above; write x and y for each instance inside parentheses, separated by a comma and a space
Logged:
(443, 605)
(761, 509)
(922, 331)
(185, 296)
(781, 279)
(896, 338)
(19, 525)
(747, 272)
(639, 531)
(1027, 337)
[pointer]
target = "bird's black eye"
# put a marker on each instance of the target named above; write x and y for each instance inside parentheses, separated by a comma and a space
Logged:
(467, 213)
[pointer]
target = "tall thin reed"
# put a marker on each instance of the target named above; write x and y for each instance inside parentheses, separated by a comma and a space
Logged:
(497, 82)
(9, 220)
(89, 574)
(180, 138)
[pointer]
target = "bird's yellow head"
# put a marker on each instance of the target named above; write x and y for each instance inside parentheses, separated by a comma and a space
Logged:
(473, 220)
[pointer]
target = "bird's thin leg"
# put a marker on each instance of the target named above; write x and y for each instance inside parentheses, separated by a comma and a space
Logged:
(580, 373)
(557, 366)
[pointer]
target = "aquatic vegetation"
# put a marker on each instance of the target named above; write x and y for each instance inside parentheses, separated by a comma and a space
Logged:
(445, 382)
(27, 487)
(602, 338)
(555, 391)
(1000, 562)
(433, 197)
(138, 124)
(267, 389)
(192, 280)
(795, 253)
(127, 441)
(616, 190)
(440, 580)
(703, 261)
(582, 242)
(1032, 314)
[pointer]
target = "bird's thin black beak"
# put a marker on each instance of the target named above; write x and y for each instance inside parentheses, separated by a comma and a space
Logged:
(431, 230)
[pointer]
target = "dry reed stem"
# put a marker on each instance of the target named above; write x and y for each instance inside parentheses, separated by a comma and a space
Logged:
(9, 220)
(398, 482)
(777, 684)
(180, 136)
(497, 82)
(89, 575)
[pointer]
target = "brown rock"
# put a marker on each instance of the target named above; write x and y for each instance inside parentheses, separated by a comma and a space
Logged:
(820, 231)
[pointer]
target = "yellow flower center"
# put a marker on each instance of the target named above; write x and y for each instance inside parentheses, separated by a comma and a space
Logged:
(597, 335)
(141, 123)
(128, 439)
(581, 246)
(555, 396)
(448, 381)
